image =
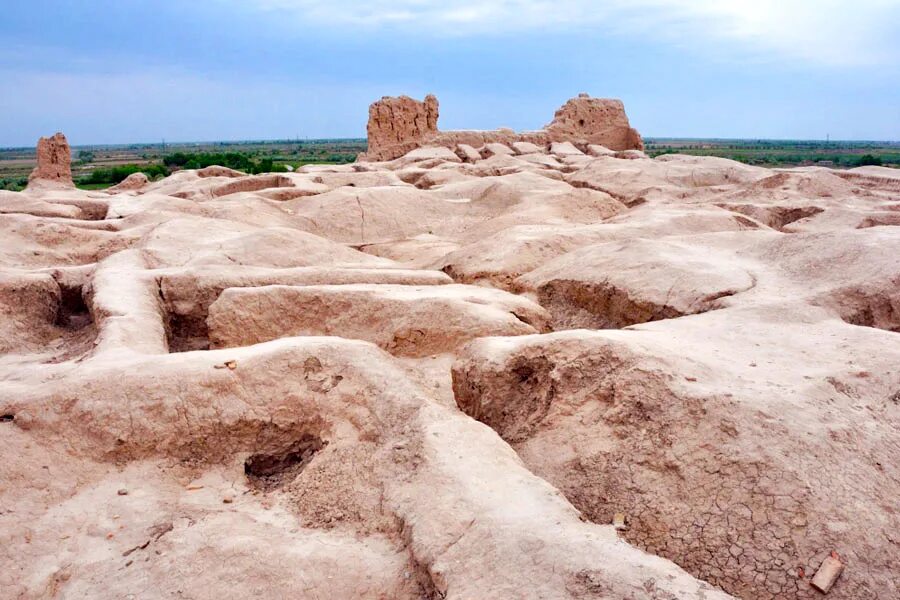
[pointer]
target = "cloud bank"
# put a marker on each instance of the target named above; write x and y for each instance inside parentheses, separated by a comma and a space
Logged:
(825, 32)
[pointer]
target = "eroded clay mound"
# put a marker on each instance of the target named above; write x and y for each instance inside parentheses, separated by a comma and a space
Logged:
(614, 285)
(709, 459)
(133, 182)
(343, 382)
(399, 319)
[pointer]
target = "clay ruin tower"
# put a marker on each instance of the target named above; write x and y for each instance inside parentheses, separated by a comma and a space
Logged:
(397, 125)
(400, 124)
(54, 160)
(594, 121)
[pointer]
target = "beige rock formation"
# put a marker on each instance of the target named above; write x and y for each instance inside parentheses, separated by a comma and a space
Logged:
(400, 124)
(578, 374)
(54, 160)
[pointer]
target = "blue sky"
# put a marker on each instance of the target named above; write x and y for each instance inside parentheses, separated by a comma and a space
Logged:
(118, 71)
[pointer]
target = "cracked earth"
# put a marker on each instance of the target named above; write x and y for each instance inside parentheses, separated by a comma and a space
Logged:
(429, 378)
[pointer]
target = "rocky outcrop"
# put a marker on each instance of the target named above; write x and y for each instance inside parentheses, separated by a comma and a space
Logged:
(54, 160)
(398, 125)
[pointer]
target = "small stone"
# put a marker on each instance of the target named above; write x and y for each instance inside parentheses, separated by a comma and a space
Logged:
(620, 521)
(227, 500)
(24, 419)
(831, 569)
(231, 364)
(122, 492)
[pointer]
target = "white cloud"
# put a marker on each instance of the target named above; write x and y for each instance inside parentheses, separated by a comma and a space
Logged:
(829, 32)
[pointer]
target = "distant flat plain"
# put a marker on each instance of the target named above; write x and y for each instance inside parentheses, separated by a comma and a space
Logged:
(16, 163)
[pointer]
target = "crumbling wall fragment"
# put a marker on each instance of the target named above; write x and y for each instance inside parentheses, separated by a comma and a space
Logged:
(54, 160)
(400, 124)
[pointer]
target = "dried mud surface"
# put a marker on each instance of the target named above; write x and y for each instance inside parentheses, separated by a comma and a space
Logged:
(443, 376)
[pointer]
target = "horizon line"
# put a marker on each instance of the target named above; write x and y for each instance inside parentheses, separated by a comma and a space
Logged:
(651, 138)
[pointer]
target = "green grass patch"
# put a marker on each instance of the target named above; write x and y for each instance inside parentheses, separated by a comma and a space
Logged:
(13, 184)
(114, 175)
(783, 153)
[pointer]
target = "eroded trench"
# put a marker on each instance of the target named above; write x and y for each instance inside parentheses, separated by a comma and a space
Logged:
(73, 313)
(701, 510)
(74, 324)
(712, 543)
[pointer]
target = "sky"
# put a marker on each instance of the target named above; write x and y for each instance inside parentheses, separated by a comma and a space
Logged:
(122, 71)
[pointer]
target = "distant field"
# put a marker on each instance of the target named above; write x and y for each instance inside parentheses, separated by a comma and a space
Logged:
(99, 166)
(783, 153)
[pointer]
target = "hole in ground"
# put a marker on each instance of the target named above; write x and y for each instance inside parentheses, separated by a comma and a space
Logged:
(270, 471)
(783, 216)
(187, 333)
(586, 305)
(7, 418)
(876, 312)
(91, 210)
(73, 313)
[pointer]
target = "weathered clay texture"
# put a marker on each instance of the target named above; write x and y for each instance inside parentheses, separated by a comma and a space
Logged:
(54, 160)
(400, 124)
(508, 368)
(397, 125)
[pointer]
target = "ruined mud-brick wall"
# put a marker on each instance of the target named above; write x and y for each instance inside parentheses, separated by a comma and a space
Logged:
(54, 159)
(594, 121)
(400, 124)
(396, 125)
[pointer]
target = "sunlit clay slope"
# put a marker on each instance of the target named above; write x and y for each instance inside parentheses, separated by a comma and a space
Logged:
(541, 369)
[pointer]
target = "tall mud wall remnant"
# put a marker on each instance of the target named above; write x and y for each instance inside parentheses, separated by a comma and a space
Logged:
(397, 125)
(54, 160)
(400, 124)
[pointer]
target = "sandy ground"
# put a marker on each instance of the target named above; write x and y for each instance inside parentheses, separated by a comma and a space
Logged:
(430, 378)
